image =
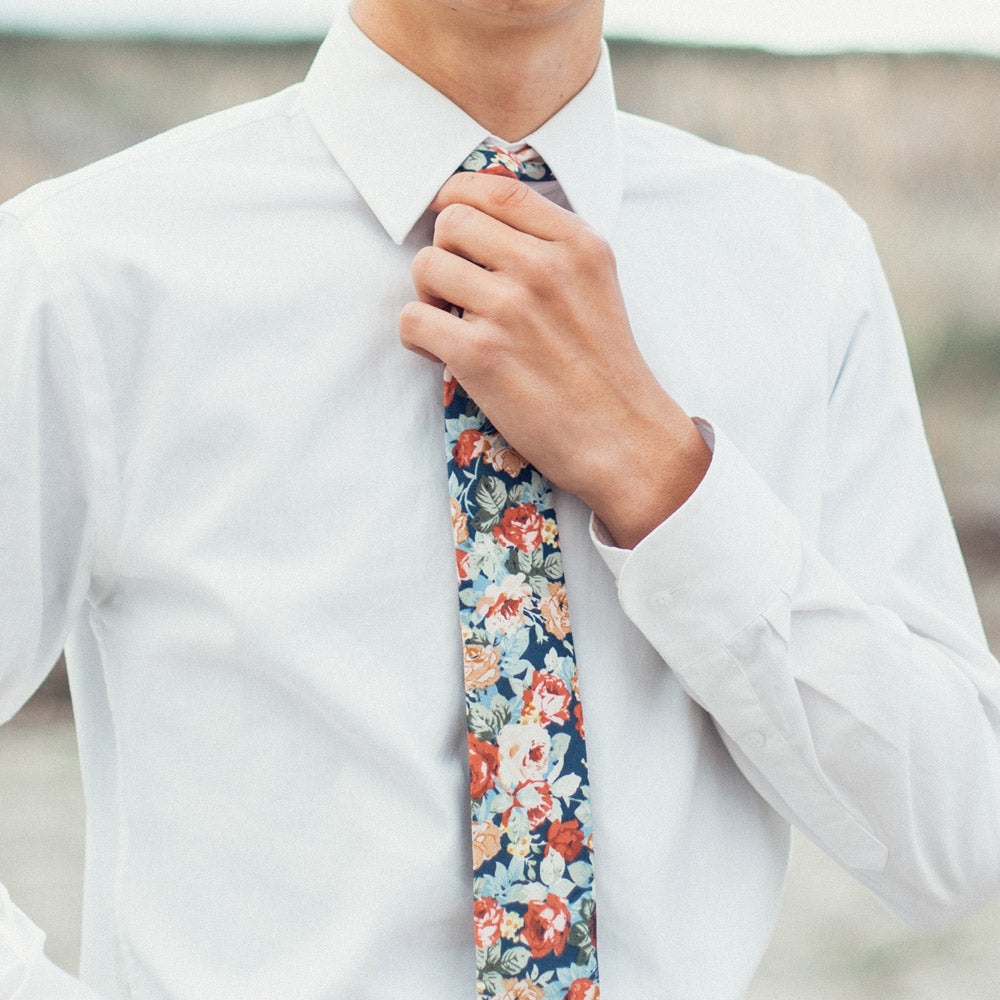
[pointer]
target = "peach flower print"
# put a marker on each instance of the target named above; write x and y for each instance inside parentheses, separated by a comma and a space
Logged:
(555, 611)
(485, 843)
(482, 666)
(515, 990)
(459, 523)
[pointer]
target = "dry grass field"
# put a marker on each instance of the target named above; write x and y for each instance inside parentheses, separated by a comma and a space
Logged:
(913, 142)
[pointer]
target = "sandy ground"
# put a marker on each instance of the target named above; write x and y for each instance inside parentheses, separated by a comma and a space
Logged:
(833, 941)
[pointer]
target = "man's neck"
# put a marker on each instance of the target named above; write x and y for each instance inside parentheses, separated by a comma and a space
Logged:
(509, 71)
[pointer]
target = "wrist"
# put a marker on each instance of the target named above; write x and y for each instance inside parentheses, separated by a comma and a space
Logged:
(648, 477)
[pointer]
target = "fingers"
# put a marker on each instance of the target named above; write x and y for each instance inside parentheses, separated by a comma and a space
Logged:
(466, 231)
(499, 249)
(444, 279)
(431, 332)
(505, 226)
(510, 201)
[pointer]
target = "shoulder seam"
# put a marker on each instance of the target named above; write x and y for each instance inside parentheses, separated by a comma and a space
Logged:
(119, 160)
(107, 497)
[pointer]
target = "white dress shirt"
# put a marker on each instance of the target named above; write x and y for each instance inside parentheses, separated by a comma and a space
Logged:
(222, 488)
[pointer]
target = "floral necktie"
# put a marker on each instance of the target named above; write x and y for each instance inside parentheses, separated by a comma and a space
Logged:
(532, 840)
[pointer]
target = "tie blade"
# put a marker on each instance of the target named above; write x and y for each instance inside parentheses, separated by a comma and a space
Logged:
(532, 833)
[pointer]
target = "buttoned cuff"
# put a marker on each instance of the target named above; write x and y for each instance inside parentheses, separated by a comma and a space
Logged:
(713, 566)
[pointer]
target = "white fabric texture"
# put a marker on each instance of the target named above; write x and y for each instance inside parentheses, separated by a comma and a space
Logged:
(222, 489)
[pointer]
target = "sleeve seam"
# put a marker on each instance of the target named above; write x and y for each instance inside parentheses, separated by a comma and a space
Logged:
(103, 479)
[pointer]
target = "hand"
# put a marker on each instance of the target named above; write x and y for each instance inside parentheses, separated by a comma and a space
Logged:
(544, 346)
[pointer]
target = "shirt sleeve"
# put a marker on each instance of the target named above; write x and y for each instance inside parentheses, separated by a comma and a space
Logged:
(49, 514)
(847, 673)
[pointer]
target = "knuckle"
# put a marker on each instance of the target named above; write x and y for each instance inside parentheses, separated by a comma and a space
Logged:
(538, 260)
(541, 286)
(424, 263)
(508, 192)
(594, 250)
(559, 270)
(410, 323)
(452, 219)
(511, 301)
(487, 348)
(546, 270)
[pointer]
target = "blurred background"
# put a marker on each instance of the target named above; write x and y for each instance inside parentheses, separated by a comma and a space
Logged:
(897, 105)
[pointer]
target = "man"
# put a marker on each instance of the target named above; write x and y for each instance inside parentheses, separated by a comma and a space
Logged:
(224, 491)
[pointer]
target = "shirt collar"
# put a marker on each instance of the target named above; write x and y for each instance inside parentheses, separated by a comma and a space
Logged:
(398, 139)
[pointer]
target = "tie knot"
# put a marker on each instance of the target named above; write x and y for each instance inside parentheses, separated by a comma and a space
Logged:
(523, 163)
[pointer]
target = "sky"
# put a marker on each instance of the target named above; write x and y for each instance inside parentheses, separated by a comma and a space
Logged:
(781, 25)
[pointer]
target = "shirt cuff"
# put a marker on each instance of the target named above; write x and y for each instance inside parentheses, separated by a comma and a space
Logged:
(615, 557)
(713, 566)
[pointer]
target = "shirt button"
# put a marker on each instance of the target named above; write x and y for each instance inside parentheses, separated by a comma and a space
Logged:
(660, 600)
(754, 740)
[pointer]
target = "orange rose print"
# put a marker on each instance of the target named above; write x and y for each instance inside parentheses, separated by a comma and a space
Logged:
(546, 926)
(566, 838)
(459, 523)
(555, 611)
(482, 766)
(482, 666)
(546, 700)
(520, 526)
(503, 458)
(485, 843)
(514, 990)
